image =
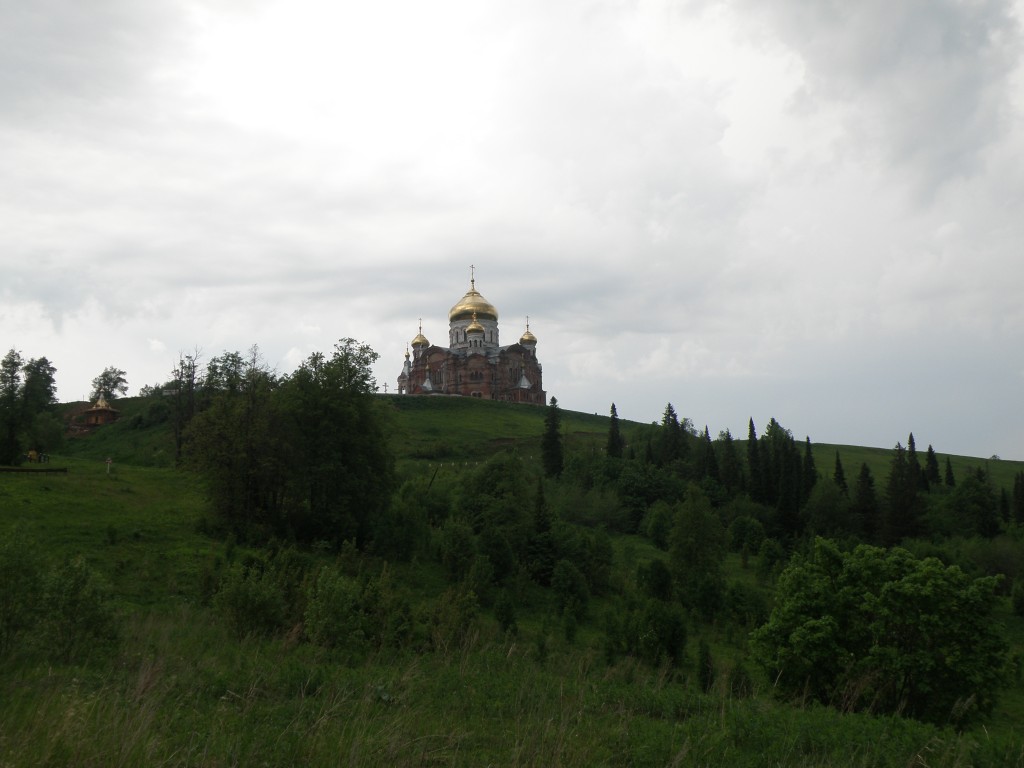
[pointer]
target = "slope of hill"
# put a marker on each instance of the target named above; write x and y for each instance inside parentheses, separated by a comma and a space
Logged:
(183, 688)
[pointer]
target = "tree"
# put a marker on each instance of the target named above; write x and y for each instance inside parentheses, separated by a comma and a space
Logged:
(10, 407)
(39, 391)
(931, 468)
(902, 513)
(729, 468)
(696, 552)
(1017, 504)
(809, 472)
(615, 441)
(754, 466)
(865, 508)
(109, 384)
(551, 442)
(839, 477)
(341, 468)
(240, 444)
(881, 631)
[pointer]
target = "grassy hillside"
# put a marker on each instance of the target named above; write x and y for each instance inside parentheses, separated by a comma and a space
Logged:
(182, 688)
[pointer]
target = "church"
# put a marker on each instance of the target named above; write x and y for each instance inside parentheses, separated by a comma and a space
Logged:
(474, 364)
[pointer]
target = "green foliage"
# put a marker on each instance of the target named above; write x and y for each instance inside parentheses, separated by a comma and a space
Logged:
(10, 411)
(650, 630)
(552, 456)
(881, 630)
(696, 553)
(570, 589)
(1017, 599)
(76, 618)
(21, 582)
(109, 384)
(251, 600)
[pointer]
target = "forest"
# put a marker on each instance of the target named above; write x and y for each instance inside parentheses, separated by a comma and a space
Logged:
(292, 568)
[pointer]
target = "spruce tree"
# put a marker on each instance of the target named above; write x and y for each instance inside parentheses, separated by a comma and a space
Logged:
(615, 441)
(756, 478)
(901, 509)
(931, 468)
(915, 475)
(708, 461)
(839, 477)
(865, 505)
(809, 472)
(10, 407)
(551, 443)
(949, 479)
(1017, 503)
(729, 469)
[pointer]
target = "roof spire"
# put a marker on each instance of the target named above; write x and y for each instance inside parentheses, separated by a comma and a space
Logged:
(472, 277)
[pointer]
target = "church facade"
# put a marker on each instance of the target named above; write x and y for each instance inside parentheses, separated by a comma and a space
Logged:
(474, 364)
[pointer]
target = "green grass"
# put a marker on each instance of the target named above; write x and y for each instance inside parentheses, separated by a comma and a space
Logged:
(181, 690)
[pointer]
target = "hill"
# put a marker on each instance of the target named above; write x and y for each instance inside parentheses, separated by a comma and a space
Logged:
(431, 673)
(431, 430)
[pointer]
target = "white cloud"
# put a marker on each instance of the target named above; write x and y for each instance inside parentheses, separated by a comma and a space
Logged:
(773, 209)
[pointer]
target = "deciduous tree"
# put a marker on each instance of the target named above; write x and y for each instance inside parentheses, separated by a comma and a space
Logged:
(882, 631)
(110, 384)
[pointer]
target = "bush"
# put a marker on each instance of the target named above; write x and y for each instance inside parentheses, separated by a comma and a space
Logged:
(880, 630)
(251, 601)
(20, 587)
(1018, 599)
(334, 616)
(76, 615)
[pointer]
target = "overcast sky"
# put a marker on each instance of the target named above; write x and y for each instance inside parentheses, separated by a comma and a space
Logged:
(812, 211)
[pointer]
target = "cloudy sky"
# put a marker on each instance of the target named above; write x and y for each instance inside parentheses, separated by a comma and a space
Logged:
(807, 211)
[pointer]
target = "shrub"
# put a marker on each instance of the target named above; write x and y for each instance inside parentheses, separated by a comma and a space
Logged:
(20, 587)
(76, 615)
(880, 630)
(334, 616)
(1018, 598)
(251, 601)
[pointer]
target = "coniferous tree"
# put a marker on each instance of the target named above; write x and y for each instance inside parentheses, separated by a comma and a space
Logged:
(915, 474)
(729, 470)
(1017, 504)
(949, 479)
(839, 477)
(670, 437)
(39, 390)
(10, 407)
(901, 519)
(865, 505)
(708, 462)
(615, 441)
(754, 473)
(931, 468)
(809, 472)
(551, 443)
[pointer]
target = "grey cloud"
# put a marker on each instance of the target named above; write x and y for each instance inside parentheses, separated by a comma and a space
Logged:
(927, 82)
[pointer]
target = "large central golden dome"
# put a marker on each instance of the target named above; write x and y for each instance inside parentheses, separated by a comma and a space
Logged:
(470, 303)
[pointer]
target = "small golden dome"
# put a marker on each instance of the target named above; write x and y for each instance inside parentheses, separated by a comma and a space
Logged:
(474, 327)
(420, 340)
(472, 303)
(527, 337)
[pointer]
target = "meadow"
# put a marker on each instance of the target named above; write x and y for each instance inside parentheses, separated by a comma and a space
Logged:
(181, 686)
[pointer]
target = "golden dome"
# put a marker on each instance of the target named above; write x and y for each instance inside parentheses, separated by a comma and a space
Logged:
(474, 327)
(420, 340)
(527, 337)
(472, 303)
